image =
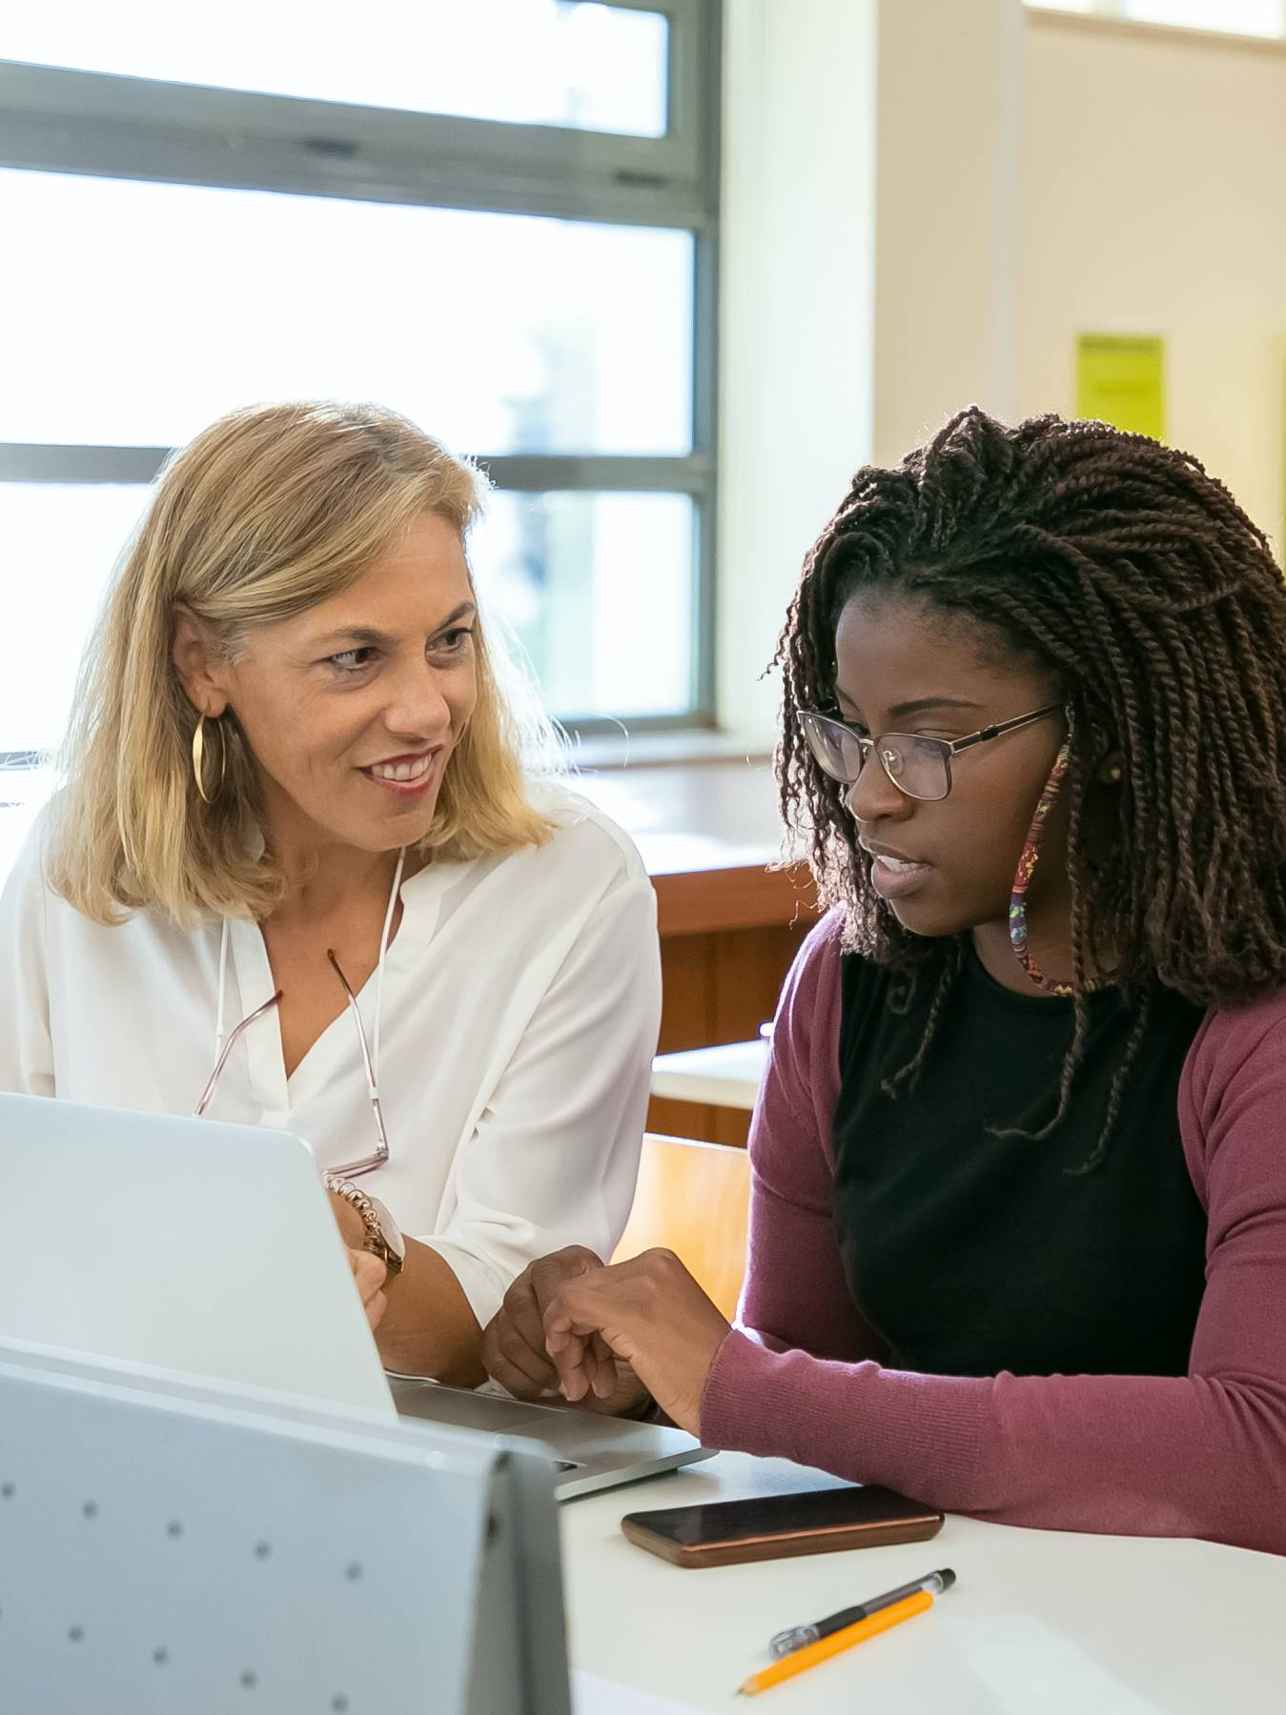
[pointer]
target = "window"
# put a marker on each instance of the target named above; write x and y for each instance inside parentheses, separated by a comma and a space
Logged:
(515, 247)
(1232, 17)
(596, 67)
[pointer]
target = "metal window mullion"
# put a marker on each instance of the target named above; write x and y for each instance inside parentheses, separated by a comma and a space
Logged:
(523, 472)
(88, 115)
(22, 461)
(156, 104)
(537, 473)
(705, 374)
(39, 143)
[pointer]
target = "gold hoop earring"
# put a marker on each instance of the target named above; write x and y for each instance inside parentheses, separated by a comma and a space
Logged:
(198, 759)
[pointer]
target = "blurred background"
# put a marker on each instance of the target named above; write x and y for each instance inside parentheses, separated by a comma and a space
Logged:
(670, 270)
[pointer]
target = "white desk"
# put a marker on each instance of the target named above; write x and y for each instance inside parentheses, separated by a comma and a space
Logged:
(1040, 1623)
(725, 1077)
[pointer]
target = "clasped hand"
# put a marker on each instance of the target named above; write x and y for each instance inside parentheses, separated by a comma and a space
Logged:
(607, 1337)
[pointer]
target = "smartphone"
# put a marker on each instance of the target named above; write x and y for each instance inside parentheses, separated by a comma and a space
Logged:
(771, 1527)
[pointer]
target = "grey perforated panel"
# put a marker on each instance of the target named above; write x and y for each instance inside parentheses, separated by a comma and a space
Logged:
(161, 1553)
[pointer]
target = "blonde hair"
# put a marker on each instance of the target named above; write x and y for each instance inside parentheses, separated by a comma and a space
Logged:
(268, 512)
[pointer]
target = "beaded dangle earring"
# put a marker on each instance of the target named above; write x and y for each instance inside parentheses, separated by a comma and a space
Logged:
(1018, 936)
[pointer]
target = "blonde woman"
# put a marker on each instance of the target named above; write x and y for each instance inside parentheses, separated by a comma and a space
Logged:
(299, 877)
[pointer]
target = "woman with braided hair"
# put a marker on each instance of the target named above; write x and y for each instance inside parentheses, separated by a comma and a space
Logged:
(1018, 1229)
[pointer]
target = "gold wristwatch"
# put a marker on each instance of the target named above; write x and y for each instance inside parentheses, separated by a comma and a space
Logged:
(382, 1236)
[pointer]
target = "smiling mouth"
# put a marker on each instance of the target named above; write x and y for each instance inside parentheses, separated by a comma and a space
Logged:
(403, 771)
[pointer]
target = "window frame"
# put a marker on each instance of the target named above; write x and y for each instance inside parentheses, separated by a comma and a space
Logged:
(102, 125)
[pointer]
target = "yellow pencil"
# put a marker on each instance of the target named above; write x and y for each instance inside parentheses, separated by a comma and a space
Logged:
(800, 1660)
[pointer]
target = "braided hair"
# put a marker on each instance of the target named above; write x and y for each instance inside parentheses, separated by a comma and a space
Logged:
(1135, 579)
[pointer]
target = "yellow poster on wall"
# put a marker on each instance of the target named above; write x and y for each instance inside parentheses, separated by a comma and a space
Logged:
(1120, 379)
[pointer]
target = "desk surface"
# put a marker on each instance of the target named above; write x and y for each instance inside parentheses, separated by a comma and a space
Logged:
(1042, 1621)
(708, 833)
(693, 816)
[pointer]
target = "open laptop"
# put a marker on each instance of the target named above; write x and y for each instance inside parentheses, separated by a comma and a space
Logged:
(211, 1249)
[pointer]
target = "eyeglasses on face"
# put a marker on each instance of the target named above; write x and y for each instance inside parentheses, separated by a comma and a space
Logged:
(919, 767)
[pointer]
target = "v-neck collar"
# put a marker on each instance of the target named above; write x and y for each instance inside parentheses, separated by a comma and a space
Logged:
(421, 897)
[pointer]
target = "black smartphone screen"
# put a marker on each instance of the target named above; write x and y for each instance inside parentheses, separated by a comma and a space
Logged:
(784, 1515)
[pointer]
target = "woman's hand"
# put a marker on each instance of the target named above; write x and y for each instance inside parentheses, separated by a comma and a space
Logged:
(513, 1342)
(369, 1273)
(648, 1313)
(368, 1276)
(351, 1227)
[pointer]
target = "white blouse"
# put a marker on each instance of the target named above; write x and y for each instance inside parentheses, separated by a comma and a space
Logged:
(520, 1012)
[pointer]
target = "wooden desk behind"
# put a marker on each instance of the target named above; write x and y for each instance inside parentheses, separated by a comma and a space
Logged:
(730, 925)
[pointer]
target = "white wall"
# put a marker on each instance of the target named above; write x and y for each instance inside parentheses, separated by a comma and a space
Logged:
(1154, 201)
(796, 297)
(947, 217)
(924, 202)
(867, 288)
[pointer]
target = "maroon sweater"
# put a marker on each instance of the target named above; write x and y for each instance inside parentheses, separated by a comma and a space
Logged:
(1198, 1455)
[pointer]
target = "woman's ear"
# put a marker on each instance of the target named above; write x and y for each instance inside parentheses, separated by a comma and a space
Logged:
(196, 663)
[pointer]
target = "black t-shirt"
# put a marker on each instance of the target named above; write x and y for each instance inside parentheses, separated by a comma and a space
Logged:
(970, 1253)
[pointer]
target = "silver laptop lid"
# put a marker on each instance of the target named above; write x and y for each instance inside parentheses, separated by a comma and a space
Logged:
(183, 1243)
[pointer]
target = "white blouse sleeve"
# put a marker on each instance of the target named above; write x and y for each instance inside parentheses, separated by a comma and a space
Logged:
(26, 1049)
(554, 1158)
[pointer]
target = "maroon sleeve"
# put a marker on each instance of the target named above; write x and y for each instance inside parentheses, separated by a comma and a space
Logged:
(1199, 1455)
(795, 1293)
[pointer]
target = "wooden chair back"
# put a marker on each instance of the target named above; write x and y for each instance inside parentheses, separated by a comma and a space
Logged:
(693, 1198)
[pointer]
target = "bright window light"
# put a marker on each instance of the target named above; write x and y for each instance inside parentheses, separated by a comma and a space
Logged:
(496, 332)
(1231, 17)
(534, 62)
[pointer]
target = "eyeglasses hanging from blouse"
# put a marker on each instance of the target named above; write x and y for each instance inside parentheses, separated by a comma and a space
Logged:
(225, 1043)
